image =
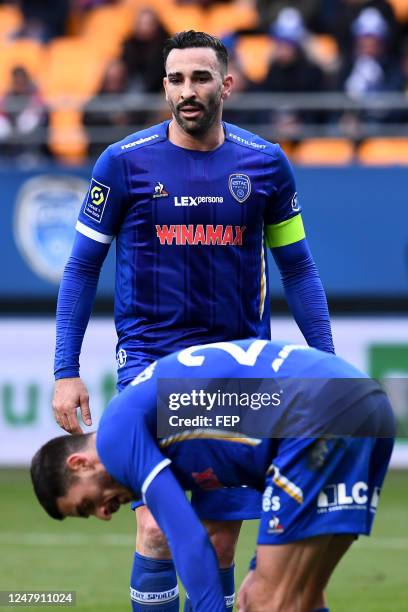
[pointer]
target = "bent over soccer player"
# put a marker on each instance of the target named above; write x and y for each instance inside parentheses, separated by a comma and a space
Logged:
(321, 483)
(193, 204)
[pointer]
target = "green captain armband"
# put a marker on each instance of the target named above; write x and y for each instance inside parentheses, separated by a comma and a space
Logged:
(286, 232)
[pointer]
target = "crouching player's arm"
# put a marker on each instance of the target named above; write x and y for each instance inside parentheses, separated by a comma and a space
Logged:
(192, 551)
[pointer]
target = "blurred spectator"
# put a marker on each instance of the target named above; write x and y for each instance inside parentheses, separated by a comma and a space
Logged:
(142, 53)
(104, 111)
(291, 71)
(242, 84)
(372, 70)
(43, 19)
(269, 10)
(345, 13)
(23, 119)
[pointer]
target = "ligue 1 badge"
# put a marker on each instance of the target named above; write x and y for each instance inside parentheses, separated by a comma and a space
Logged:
(240, 187)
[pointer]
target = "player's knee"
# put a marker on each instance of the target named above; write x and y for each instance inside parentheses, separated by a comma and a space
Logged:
(150, 540)
(224, 538)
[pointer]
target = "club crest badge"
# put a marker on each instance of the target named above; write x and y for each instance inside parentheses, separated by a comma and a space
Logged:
(46, 210)
(240, 187)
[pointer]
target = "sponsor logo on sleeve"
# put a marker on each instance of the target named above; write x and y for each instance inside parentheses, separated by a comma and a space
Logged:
(295, 202)
(240, 187)
(98, 195)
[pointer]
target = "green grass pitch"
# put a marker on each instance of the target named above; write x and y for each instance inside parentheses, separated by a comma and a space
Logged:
(93, 558)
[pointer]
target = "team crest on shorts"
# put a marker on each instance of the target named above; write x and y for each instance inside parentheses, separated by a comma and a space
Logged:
(240, 187)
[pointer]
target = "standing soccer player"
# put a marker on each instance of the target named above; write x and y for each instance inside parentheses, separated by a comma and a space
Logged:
(193, 203)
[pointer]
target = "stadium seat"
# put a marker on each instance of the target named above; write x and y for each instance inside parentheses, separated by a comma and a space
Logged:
(400, 9)
(324, 50)
(67, 139)
(10, 20)
(23, 52)
(254, 52)
(74, 68)
(383, 152)
(221, 19)
(177, 17)
(107, 26)
(324, 152)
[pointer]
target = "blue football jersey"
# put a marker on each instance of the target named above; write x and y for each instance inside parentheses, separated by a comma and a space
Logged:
(191, 229)
(203, 458)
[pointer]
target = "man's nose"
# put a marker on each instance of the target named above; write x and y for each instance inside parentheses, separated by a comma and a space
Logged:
(188, 90)
(103, 514)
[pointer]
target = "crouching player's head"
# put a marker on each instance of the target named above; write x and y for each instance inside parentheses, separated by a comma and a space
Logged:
(70, 480)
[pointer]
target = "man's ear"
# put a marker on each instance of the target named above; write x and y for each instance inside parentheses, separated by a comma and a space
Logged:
(165, 87)
(227, 86)
(78, 462)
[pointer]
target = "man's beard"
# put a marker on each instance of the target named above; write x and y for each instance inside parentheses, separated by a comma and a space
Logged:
(201, 125)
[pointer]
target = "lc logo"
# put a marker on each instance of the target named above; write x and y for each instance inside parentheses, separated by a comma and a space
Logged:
(97, 195)
(338, 495)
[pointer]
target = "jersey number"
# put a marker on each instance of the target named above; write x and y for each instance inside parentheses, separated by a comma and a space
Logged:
(246, 357)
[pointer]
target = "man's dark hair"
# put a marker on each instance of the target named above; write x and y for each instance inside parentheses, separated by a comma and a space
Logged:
(191, 38)
(50, 475)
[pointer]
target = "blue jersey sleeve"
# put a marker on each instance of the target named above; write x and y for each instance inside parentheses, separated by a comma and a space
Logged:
(192, 552)
(305, 294)
(126, 438)
(75, 298)
(102, 210)
(283, 201)
(98, 222)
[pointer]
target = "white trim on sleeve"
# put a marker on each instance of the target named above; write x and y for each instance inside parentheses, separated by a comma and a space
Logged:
(148, 480)
(93, 234)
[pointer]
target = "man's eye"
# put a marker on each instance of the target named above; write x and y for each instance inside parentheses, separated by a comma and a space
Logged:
(174, 81)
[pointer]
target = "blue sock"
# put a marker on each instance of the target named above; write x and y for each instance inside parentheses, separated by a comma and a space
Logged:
(228, 585)
(321, 610)
(153, 585)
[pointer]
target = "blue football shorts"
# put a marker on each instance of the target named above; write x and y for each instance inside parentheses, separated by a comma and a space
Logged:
(328, 485)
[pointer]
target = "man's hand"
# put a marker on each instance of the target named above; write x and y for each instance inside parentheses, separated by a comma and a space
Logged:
(69, 395)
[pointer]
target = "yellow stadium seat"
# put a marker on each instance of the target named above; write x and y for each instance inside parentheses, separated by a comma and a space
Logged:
(74, 69)
(384, 152)
(67, 139)
(106, 27)
(324, 152)
(23, 52)
(400, 9)
(224, 19)
(324, 50)
(177, 17)
(10, 20)
(254, 53)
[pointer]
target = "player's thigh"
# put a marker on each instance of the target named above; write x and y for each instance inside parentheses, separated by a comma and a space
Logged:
(224, 537)
(150, 540)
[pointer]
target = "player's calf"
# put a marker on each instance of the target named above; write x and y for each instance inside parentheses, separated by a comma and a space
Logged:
(153, 582)
(291, 577)
(150, 540)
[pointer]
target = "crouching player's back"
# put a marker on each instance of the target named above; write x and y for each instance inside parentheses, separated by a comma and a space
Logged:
(320, 464)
